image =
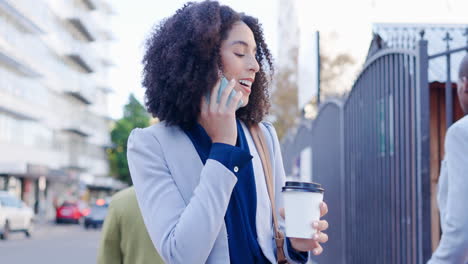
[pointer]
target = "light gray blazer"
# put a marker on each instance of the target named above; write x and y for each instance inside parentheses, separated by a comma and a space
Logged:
(452, 197)
(183, 203)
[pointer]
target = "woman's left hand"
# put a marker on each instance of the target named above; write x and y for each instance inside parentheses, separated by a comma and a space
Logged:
(313, 244)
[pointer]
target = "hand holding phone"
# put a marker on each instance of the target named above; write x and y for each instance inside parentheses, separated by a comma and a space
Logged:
(219, 120)
(223, 84)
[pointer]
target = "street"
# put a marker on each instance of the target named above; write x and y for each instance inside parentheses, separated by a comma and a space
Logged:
(51, 244)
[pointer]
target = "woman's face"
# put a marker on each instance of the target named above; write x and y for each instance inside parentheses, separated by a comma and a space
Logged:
(238, 58)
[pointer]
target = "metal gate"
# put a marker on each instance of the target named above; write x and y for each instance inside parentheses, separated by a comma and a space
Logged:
(386, 156)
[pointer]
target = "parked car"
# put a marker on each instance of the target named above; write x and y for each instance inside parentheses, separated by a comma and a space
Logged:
(15, 216)
(68, 212)
(97, 214)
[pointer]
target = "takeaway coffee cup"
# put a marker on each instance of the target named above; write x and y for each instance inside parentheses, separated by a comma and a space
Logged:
(302, 207)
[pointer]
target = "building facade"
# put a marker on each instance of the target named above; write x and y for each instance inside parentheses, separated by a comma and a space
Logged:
(54, 120)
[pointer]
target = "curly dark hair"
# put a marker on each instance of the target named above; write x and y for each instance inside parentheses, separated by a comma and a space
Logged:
(182, 61)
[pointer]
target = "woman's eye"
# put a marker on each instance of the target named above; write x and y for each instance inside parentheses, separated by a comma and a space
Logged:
(239, 55)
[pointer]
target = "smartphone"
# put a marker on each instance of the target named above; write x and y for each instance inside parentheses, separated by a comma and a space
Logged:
(223, 84)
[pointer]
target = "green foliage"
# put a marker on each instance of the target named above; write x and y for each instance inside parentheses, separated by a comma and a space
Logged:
(135, 115)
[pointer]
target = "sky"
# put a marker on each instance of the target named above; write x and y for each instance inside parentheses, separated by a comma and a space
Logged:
(345, 24)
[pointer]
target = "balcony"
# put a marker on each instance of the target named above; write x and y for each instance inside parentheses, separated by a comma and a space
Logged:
(107, 89)
(107, 7)
(78, 129)
(80, 158)
(78, 124)
(77, 162)
(103, 26)
(17, 114)
(19, 108)
(82, 21)
(13, 60)
(82, 26)
(81, 61)
(81, 94)
(91, 4)
(81, 89)
(16, 64)
(100, 141)
(22, 19)
(108, 62)
(83, 56)
(103, 83)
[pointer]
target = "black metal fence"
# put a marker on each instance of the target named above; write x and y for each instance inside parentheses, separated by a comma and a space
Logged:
(328, 126)
(327, 169)
(371, 152)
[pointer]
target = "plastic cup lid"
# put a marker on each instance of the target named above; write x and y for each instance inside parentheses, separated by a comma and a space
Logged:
(295, 186)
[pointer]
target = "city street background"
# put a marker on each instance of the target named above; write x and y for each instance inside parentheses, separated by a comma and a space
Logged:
(52, 244)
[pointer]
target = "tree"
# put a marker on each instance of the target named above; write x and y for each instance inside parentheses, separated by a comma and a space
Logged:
(332, 69)
(284, 98)
(135, 115)
(284, 102)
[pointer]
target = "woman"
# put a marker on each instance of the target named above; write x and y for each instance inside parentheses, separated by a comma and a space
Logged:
(198, 177)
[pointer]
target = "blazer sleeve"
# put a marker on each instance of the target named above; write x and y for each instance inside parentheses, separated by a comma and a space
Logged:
(181, 232)
(453, 247)
(292, 255)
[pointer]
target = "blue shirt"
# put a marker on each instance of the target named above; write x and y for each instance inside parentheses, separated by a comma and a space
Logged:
(241, 211)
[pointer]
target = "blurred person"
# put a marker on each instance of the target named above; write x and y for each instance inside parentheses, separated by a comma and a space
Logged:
(124, 236)
(453, 185)
(198, 176)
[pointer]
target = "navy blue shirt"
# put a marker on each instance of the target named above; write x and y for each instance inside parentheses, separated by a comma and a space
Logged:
(241, 211)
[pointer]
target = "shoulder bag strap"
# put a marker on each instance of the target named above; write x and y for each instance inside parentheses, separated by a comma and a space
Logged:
(262, 149)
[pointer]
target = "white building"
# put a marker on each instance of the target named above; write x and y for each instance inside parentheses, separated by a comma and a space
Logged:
(54, 120)
(288, 36)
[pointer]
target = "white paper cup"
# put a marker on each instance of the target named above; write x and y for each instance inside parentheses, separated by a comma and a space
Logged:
(302, 207)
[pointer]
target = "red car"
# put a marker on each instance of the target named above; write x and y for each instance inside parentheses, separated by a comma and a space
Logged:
(68, 213)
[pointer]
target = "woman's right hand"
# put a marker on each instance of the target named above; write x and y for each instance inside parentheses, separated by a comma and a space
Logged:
(219, 119)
